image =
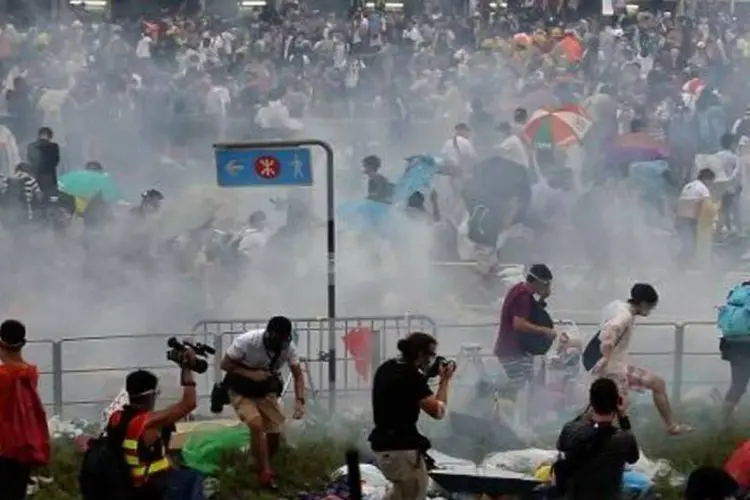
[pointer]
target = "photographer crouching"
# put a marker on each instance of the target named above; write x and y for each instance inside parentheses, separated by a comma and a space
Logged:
(142, 434)
(399, 392)
(596, 447)
(253, 385)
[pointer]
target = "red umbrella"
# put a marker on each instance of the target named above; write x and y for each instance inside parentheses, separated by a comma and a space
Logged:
(358, 343)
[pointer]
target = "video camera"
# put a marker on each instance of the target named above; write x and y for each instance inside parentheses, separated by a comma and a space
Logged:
(434, 369)
(177, 351)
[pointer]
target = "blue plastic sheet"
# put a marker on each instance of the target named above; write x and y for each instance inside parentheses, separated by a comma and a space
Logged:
(635, 481)
(372, 216)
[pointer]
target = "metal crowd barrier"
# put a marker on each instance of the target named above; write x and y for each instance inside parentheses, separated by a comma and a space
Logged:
(646, 349)
(68, 371)
(77, 371)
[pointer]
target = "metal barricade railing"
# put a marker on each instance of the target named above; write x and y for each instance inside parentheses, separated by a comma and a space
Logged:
(79, 374)
(87, 367)
(314, 347)
(68, 373)
(643, 344)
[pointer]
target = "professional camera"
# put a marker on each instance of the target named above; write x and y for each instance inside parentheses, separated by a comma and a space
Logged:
(177, 351)
(434, 369)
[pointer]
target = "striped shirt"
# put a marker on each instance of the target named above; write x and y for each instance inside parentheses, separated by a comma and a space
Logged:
(31, 191)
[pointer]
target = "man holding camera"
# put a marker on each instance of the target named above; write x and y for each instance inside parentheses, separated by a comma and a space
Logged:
(254, 387)
(597, 445)
(399, 392)
(143, 434)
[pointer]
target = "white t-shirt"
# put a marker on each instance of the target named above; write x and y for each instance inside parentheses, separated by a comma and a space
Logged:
(143, 48)
(691, 198)
(360, 27)
(252, 240)
(249, 350)
(695, 191)
(459, 150)
(616, 331)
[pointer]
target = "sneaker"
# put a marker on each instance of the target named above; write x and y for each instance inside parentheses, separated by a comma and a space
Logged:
(266, 481)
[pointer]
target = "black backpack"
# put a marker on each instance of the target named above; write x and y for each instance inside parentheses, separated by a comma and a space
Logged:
(536, 344)
(104, 475)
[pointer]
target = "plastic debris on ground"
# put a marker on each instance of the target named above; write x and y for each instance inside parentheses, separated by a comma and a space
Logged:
(206, 443)
(36, 483)
(70, 429)
(536, 462)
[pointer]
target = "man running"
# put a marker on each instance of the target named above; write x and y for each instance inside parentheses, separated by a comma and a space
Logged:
(618, 322)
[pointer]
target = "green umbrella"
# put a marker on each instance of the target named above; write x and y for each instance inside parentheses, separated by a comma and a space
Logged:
(87, 183)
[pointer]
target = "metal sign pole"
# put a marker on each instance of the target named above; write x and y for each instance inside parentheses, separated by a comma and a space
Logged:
(271, 159)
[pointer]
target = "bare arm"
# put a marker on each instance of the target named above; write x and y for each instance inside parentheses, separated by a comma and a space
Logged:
(299, 381)
(434, 405)
(173, 414)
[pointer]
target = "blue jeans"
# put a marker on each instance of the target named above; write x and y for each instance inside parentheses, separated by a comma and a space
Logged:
(185, 484)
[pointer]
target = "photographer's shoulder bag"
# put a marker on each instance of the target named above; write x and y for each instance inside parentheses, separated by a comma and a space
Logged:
(536, 344)
(253, 388)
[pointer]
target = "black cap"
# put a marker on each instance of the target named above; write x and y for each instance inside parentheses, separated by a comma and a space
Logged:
(12, 333)
(540, 272)
(280, 326)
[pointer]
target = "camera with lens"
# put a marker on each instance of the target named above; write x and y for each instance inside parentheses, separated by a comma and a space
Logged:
(177, 353)
(434, 369)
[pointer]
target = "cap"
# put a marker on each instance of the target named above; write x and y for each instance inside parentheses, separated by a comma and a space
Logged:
(540, 272)
(12, 333)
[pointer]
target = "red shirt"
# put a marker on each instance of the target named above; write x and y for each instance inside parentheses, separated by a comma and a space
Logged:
(517, 304)
(9, 374)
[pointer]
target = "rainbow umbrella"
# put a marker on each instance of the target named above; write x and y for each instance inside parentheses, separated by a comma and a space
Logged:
(556, 127)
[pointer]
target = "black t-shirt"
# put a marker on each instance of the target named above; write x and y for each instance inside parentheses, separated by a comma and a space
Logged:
(397, 390)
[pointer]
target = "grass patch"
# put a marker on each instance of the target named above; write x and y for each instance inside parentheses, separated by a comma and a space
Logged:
(306, 465)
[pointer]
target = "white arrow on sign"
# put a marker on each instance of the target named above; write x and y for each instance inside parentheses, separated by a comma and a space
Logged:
(234, 167)
(297, 164)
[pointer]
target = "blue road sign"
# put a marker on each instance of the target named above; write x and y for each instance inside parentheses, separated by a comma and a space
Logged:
(247, 167)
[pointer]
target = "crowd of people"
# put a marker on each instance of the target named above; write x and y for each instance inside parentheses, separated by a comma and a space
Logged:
(542, 119)
(640, 102)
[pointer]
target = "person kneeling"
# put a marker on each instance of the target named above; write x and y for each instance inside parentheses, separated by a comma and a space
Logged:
(145, 433)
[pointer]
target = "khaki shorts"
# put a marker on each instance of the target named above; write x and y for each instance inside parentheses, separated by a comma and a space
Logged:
(267, 409)
(407, 471)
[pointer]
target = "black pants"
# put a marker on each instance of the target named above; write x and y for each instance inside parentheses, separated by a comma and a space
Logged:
(738, 355)
(14, 479)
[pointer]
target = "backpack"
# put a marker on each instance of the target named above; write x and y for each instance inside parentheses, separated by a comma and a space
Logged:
(104, 475)
(24, 436)
(733, 318)
(536, 344)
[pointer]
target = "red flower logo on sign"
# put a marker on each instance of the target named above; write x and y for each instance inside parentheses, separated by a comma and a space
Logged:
(267, 167)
